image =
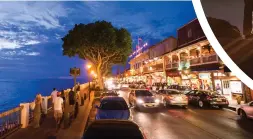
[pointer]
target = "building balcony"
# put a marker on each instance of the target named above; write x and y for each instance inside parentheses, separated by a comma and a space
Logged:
(174, 65)
(209, 59)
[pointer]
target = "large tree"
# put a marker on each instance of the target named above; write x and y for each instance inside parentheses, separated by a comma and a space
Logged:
(100, 43)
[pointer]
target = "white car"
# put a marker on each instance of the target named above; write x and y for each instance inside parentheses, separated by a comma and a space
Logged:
(246, 110)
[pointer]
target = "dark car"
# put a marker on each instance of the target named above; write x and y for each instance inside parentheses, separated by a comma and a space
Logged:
(113, 129)
(203, 98)
(113, 108)
(109, 93)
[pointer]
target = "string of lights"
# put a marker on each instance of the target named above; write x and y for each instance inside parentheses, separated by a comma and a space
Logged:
(139, 48)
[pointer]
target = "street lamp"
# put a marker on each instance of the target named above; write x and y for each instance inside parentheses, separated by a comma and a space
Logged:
(89, 66)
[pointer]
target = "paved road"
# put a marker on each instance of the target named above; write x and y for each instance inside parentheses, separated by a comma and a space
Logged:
(193, 123)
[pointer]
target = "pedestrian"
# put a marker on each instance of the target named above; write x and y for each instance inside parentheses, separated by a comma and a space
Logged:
(247, 21)
(63, 95)
(72, 102)
(58, 109)
(54, 95)
(37, 111)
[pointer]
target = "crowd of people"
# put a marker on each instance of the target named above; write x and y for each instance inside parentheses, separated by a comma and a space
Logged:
(65, 107)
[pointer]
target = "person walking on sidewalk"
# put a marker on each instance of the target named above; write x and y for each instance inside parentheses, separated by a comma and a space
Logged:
(58, 109)
(37, 111)
(54, 95)
(247, 21)
(72, 102)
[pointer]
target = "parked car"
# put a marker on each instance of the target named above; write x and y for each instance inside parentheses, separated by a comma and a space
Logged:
(113, 108)
(183, 88)
(143, 98)
(109, 93)
(113, 129)
(246, 110)
(172, 97)
(203, 98)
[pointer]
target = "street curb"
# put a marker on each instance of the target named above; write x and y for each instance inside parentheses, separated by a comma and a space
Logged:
(231, 108)
(86, 118)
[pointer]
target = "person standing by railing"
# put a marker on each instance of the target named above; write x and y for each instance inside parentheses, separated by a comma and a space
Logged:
(58, 109)
(54, 95)
(37, 111)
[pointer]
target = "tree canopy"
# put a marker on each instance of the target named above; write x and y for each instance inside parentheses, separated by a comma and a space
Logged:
(100, 43)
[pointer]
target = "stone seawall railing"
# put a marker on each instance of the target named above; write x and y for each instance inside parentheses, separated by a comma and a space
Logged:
(22, 116)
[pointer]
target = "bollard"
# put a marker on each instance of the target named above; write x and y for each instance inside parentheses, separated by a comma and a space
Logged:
(24, 115)
(44, 105)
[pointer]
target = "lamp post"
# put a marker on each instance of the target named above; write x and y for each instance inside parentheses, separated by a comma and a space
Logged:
(75, 72)
(88, 68)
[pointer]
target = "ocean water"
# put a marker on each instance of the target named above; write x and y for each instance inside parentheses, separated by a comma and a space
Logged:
(14, 92)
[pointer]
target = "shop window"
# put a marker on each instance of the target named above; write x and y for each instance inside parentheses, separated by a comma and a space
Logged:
(226, 84)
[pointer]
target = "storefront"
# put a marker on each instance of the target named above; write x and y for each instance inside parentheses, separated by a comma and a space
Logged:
(190, 80)
(228, 85)
(205, 81)
(173, 78)
(156, 77)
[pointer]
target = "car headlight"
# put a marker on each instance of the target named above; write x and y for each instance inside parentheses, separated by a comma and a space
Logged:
(157, 101)
(140, 101)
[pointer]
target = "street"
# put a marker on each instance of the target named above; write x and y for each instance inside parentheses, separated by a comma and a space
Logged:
(178, 123)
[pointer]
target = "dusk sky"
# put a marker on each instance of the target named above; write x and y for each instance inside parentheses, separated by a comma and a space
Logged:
(31, 32)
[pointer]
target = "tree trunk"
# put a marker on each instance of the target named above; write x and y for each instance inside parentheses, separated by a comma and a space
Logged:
(100, 79)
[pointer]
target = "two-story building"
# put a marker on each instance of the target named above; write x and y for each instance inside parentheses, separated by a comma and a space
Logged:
(188, 60)
(149, 66)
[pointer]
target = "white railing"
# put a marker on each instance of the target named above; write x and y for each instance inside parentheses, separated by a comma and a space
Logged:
(196, 61)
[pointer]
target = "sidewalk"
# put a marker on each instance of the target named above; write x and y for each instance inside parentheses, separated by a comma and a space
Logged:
(78, 125)
(48, 127)
(233, 105)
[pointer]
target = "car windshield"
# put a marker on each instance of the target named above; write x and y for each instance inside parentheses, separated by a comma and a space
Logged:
(143, 93)
(172, 92)
(113, 105)
(183, 87)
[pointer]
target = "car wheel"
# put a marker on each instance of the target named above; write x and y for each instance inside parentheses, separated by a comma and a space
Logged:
(201, 104)
(243, 114)
(185, 107)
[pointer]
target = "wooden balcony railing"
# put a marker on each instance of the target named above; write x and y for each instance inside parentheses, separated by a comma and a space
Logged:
(210, 58)
(195, 61)
(175, 65)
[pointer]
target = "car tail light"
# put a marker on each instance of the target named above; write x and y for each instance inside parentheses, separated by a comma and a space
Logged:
(170, 97)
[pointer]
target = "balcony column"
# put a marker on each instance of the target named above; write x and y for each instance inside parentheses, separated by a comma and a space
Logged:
(200, 54)
(213, 83)
(179, 59)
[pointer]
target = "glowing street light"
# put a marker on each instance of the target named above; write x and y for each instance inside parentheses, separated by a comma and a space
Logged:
(92, 72)
(88, 66)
